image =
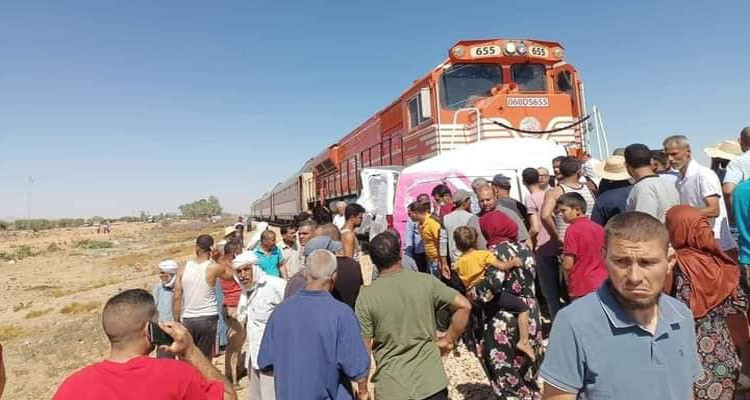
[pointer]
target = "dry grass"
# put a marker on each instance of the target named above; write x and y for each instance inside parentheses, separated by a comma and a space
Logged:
(22, 306)
(38, 313)
(76, 308)
(65, 292)
(149, 259)
(8, 332)
(93, 244)
(132, 259)
(42, 287)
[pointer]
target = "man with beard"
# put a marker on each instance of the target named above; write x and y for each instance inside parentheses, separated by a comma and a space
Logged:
(129, 373)
(699, 187)
(627, 340)
(261, 293)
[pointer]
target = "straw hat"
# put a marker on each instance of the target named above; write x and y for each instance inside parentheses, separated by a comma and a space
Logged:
(229, 230)
(728, 150)
(613, 169)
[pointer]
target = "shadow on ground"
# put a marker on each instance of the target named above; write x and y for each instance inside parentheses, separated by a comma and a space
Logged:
(475, 391)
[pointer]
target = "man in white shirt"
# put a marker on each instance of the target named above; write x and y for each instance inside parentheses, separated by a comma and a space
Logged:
(699, 187)
(261, 293)
(340, 219)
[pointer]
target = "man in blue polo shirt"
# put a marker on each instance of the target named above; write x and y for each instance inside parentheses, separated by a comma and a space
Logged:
(741, 211)
(627, 340)
(312, 342)
(270, 257)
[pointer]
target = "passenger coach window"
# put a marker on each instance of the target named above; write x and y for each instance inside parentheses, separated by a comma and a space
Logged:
(462, 83)
(529, 77)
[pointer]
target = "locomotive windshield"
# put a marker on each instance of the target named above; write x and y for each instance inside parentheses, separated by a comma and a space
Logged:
(462, 83)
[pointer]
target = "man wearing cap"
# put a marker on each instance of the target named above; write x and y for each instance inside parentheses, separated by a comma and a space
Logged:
(349, 279)
(261, 293)
(614, 189)
(738, 170)
(460, 216)
(650, 193)
(163, 294)
(501, 185)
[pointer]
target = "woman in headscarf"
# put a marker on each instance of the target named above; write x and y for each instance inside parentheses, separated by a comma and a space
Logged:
(707, 280)
(498, 228)
(511, 372)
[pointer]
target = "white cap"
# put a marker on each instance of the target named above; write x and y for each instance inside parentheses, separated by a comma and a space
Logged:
(169, 266)
(245, 258)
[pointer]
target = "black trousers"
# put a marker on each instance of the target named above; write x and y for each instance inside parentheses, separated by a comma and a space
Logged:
(421, 259)
(203, 331)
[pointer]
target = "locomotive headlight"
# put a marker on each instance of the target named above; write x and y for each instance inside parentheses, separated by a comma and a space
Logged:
(510, 48)
(521, 49)
(557, 52)
(458, 51)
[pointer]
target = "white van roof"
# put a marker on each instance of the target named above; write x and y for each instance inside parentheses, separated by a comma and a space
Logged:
(493, 155)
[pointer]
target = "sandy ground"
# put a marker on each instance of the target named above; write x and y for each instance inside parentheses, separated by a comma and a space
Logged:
(50, 303)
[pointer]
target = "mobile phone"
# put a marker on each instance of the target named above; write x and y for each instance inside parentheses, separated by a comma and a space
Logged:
(157, 336)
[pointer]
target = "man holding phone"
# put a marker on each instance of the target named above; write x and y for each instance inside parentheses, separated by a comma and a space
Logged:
(129, 373)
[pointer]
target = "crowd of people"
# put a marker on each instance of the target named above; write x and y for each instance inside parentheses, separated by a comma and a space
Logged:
(632, 260)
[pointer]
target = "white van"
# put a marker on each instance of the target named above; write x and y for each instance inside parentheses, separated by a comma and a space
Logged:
(377, 197)
(458, 168)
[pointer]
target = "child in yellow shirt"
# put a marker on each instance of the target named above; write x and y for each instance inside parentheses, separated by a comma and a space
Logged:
(471, 266)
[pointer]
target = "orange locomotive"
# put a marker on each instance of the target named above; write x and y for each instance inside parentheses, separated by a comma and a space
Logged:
(487, 89)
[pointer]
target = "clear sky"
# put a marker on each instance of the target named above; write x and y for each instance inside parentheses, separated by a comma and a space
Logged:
(118, 106)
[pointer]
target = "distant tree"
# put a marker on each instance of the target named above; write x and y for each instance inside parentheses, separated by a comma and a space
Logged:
(202, 208)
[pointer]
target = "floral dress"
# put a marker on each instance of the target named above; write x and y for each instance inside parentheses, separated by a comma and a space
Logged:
(716, 350)
(512, 374)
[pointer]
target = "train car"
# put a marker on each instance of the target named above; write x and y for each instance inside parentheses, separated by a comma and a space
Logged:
(294, 195)
(264, 207)
(255, 209)
(486, 90)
